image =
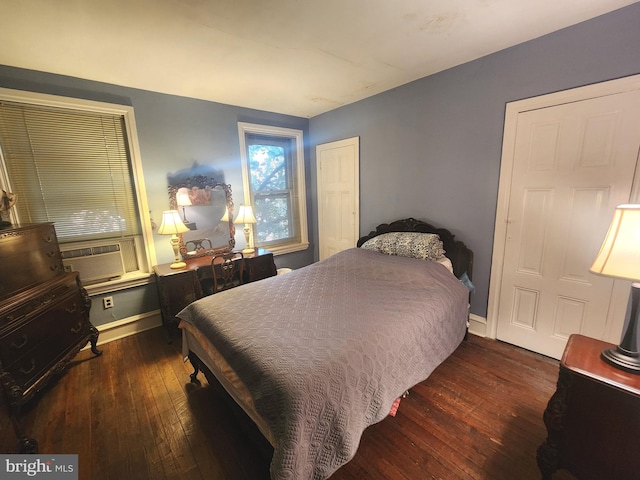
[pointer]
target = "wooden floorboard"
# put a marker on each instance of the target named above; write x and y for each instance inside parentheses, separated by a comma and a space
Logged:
(133, 414)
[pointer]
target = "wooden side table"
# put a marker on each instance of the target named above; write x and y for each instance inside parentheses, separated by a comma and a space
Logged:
(178, 287)
(593, 418)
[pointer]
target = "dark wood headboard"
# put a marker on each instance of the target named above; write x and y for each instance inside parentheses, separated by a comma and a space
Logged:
(461, 257)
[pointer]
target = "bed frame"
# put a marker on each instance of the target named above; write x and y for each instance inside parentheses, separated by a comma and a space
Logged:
(462, 261)
(461, 257)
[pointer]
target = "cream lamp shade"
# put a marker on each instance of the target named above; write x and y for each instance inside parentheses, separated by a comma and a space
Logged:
(182, 197)
(245, 215)
(619, 257)
(171, 224)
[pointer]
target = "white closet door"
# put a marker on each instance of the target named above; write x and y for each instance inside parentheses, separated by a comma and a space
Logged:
(572, 164)
(338, 195)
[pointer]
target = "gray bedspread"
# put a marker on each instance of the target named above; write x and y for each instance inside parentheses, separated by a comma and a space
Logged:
(326, 349)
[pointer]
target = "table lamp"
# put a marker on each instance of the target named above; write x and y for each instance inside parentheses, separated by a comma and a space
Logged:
(225, 217)
(619, 257)
(172, 225)
(245, 215)
(184, 200)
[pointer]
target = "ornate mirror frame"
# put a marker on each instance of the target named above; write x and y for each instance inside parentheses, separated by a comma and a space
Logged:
(204, 184)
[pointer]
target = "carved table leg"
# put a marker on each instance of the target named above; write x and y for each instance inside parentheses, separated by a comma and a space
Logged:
(93, 339)
(549, 455)
(12, 395)
(27, 445)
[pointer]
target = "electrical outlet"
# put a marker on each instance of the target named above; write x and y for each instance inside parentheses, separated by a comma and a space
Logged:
(107, 302)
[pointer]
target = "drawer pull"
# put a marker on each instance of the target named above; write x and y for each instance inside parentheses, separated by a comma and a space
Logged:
(31, 369)
(77, 329)
(71, 309)
(22, 343)
(47, 238)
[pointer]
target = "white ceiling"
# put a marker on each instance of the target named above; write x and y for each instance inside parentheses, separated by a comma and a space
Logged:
(299, 57)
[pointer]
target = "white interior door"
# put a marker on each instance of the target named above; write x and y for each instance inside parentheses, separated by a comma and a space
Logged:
(338, 195)
(572, 164)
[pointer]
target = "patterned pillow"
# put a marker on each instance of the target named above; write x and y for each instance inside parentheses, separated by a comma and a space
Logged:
(407, 244)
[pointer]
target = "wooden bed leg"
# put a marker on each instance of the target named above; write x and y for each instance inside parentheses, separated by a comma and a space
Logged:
(196, 369)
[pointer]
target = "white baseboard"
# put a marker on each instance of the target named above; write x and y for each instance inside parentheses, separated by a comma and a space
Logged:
(128, 326)
(477, 325)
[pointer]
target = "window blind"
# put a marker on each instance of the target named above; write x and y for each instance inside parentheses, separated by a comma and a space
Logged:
(69, 167)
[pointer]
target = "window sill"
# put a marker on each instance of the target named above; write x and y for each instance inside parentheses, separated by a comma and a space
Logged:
(128, 280)
(282, 249)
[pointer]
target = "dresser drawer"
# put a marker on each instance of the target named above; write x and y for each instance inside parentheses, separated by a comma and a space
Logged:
(35, 301)
(31, 254)
(34, 346)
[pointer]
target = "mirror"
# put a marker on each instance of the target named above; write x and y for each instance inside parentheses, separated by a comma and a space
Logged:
(203, 203)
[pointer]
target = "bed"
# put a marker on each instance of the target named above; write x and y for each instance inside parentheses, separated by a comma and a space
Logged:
(317, 355)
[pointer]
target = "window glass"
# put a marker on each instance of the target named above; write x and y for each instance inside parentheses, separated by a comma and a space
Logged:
(273, 170)
(271, 189)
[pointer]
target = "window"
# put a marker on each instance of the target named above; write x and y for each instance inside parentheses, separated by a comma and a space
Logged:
(75, 163)
(273, 179)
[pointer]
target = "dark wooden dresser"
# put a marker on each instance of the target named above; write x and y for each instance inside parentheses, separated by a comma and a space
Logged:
(593, 418)
(178, 287)
(44, 317)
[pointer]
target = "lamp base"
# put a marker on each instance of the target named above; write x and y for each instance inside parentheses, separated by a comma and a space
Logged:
(619, 358)
(190, 225)
(248, 250)
(626, 355)
(178, 265)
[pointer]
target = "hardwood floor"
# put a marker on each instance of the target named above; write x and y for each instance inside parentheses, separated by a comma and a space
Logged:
(132, 414)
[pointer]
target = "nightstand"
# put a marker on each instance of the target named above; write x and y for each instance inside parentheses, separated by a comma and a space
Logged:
(593, 418)
(178, 287)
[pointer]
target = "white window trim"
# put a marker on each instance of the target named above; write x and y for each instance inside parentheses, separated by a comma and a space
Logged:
(148, 255)
(243, 129)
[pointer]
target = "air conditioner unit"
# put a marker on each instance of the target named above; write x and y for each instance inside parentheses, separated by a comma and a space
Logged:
(95, 263)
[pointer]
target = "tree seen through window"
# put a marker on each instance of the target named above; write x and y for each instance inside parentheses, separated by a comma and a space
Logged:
(274, 185)
(271, 189)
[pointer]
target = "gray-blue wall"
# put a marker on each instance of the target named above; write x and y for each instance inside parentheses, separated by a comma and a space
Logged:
(431, 149)
(173, 132)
